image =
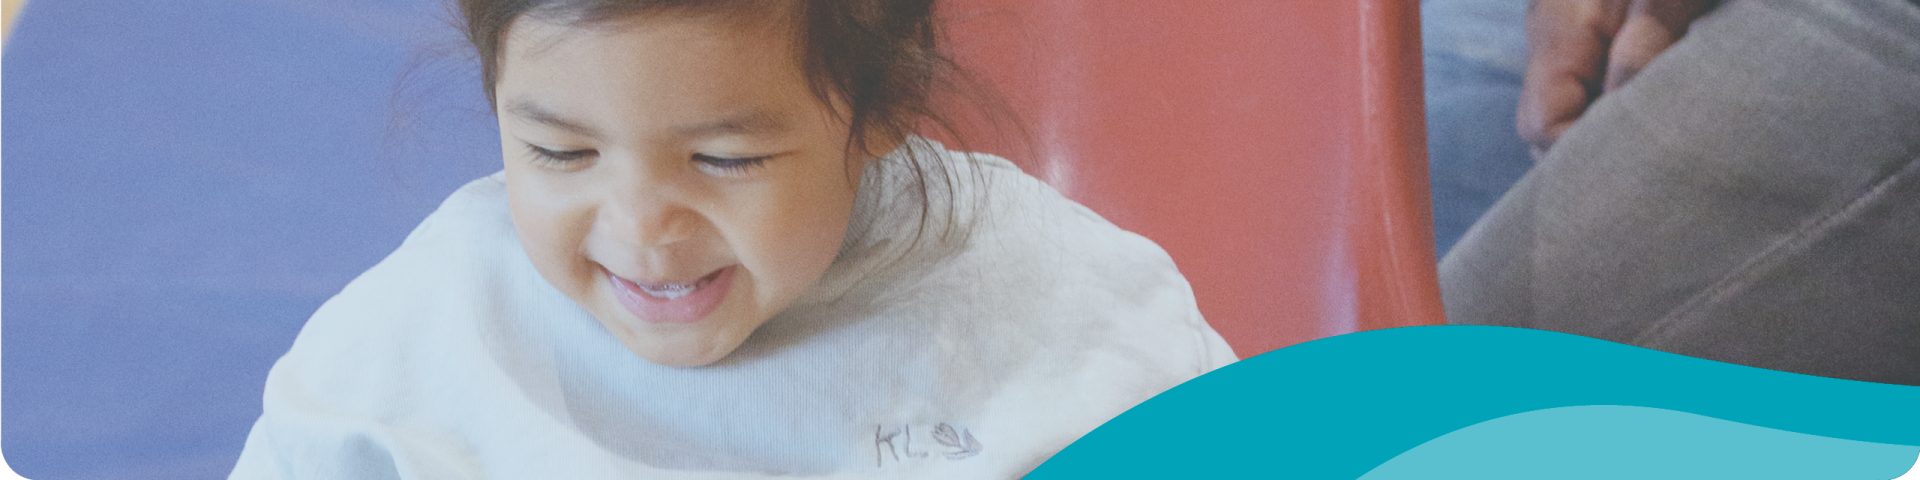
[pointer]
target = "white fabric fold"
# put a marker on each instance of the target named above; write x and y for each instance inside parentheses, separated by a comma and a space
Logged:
(973, 352)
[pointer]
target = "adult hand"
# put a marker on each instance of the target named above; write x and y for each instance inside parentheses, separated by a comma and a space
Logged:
(1581, 49)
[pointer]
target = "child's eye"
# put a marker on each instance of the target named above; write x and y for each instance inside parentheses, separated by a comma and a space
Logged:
(729, 164)
(559, 158)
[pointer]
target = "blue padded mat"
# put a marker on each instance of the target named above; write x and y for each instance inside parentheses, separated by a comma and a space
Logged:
(184, 183)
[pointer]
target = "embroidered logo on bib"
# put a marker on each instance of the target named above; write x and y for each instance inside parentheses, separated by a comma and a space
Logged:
(898, 444)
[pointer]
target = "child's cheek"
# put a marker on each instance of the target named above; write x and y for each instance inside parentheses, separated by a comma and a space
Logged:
(799, 238)
(552, 228)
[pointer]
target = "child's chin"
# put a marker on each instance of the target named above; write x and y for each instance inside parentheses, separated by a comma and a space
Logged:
(684, 361)
(694, 353)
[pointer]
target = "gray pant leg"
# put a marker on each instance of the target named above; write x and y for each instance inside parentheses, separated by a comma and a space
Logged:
(1752, 197)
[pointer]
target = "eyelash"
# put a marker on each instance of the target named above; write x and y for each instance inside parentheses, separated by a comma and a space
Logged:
(558, 158)
(731, 164)
(727, 164)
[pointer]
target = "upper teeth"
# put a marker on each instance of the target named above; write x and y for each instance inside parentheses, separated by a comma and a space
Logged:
(669, 292)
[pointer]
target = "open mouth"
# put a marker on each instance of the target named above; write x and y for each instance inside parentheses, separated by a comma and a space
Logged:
(673, 303)
(673, 291)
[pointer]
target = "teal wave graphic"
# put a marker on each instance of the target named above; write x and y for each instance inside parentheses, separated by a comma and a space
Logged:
(1610, 442)
(1341, 406)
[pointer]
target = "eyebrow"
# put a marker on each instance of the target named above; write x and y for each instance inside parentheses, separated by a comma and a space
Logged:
(755, 121)
(745, 122)
(526, 109)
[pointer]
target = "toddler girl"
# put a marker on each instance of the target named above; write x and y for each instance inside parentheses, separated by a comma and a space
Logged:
(718, 251)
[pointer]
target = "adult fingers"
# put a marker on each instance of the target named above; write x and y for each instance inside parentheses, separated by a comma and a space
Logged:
(1650, 27)
(1568, 42)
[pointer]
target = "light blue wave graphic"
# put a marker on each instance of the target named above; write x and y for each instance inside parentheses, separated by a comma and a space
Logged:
(1342, 406)
(1609, 442)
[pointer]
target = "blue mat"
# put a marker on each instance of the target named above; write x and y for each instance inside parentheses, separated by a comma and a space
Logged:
(184, 183)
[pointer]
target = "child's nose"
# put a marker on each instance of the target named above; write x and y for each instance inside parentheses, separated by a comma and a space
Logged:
(649, 212)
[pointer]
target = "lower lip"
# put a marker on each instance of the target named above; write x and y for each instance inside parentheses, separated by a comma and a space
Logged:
(687, 309)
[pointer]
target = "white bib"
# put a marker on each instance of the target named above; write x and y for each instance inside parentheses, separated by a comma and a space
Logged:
(977, 352)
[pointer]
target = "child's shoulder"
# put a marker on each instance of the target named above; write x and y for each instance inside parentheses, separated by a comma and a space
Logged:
(480, 205)
(464, 255)
(468, 236)
(1033, 264)
(1028, 216)
(1024, 239)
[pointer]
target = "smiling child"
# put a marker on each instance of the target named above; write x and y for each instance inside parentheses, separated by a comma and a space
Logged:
(717, 250)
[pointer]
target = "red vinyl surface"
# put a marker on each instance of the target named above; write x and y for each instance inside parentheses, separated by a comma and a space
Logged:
(1276, 148)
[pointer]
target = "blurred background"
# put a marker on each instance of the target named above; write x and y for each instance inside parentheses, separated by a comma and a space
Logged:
(191, 179)
(185, 182)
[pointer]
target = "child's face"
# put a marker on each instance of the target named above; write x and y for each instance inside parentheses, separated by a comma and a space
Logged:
(674, 175)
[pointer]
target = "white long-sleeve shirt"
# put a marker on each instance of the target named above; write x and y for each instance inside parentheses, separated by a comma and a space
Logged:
(976, 353)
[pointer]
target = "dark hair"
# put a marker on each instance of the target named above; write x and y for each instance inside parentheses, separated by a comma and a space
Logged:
(880, 57)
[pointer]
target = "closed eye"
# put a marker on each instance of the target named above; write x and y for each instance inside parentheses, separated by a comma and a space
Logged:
(730, 164)
(559, 157)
